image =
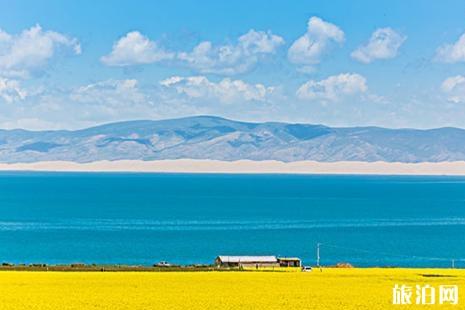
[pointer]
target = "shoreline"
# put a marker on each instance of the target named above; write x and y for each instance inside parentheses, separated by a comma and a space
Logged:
(196, 268)
(456, 168)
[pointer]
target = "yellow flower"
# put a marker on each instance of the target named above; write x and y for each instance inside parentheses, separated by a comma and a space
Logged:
(329, 289)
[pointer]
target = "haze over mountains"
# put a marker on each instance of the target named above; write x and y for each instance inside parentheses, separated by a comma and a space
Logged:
(207, 137)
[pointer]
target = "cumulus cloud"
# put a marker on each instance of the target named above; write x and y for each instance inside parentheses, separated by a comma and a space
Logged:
(454, 88)
(232, 59)
(20, 54)
(226, 90)
(309, 48)
(110, 92)
(135, 49)
(452, 53)
(11, 91)
(333, 88)
(383, 44)
(125, 99)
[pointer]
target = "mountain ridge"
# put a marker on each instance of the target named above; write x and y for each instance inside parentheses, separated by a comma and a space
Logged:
(212, 137)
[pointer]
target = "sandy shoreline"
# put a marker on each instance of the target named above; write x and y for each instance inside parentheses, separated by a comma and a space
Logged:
(245, 166)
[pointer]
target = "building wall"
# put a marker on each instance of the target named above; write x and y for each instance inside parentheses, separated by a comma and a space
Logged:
(247, 264)
(251, 265)
(290, 263)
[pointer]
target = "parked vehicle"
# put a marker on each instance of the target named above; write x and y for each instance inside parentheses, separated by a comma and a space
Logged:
(163, 264)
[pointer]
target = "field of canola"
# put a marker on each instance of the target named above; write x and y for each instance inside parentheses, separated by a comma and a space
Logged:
(329, 289)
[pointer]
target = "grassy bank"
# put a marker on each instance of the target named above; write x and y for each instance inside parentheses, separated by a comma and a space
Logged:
(132, 268)
(106, 268)
(330, 289)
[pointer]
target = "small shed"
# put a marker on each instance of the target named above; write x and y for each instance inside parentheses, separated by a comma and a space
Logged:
(289, 262)
(246, 261)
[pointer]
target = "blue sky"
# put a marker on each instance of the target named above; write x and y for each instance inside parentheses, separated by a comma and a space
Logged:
(340, 63)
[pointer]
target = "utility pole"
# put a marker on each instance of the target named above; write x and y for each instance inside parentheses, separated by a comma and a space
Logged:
(453, 263)
(318, 254)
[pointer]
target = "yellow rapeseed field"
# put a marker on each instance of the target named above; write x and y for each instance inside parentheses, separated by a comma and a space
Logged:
(329, 289)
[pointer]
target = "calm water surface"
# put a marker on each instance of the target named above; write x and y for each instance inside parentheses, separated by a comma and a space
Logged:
(191, 218)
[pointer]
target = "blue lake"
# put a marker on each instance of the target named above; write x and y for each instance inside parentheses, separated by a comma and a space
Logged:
(191, 218)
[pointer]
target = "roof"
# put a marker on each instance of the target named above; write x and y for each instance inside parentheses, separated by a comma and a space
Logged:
(248, 259)
(288, 258)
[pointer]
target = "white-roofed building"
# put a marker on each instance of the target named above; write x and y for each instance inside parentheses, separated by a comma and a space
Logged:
(247, 261)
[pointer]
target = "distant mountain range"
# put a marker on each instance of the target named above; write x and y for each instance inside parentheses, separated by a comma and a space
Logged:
(207, 137)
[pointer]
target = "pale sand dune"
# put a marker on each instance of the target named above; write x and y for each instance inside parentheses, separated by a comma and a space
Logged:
(245, 166)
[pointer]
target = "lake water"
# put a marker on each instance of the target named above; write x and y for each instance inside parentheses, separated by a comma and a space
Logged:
(191, 218)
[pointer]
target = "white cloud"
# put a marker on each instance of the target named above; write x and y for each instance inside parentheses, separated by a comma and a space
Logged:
(30, 124)
(226, 90)
(11, 91)
(110, 92)
(452, 53)
(309, 48)
(232, 59)
(454, 88)
(31, 49)
(383, 44)
(135, 49)
(334, 88)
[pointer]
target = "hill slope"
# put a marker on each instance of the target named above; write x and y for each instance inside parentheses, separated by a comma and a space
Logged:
(206, 137)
